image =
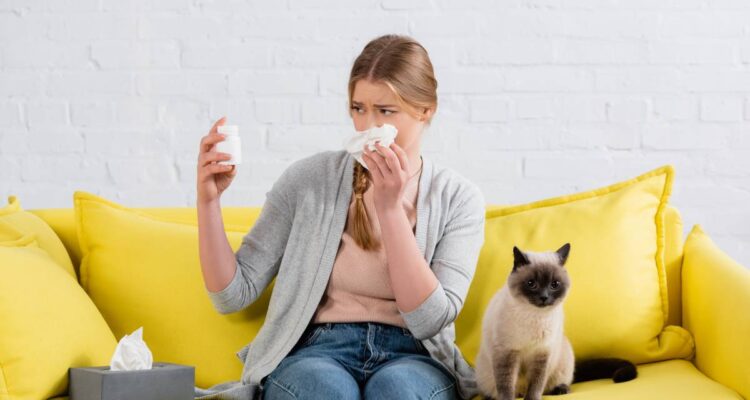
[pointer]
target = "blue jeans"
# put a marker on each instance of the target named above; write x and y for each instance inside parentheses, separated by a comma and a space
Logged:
(355, 360)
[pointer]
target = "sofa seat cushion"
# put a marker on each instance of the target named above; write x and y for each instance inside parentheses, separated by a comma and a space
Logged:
(673, 379)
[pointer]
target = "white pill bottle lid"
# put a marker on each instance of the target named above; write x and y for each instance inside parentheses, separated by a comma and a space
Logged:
(228, 129)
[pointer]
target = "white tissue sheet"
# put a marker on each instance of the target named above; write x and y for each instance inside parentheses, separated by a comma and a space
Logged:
(131, 353)
(383, 134)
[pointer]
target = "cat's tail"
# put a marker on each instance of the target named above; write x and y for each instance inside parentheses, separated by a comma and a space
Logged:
(617, 369)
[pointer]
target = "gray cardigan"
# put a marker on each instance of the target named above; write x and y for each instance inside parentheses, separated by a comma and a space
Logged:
(296, 238)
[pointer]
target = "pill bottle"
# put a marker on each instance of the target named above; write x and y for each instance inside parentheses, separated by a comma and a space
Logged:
(231, 144)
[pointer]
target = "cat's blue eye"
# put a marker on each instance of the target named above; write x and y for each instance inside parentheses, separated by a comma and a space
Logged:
(554, 285)
(531, 284)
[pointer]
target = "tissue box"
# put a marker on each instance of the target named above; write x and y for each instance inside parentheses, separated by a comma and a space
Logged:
(164, 381)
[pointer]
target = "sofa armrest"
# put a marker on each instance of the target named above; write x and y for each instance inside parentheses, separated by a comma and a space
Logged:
(715, 304)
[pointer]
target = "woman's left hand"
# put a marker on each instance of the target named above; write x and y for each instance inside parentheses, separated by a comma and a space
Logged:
(389, 169)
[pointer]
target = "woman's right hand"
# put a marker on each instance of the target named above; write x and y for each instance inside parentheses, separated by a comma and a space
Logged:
(213, 178)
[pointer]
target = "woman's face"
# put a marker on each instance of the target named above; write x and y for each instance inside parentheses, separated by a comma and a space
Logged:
(374, 104)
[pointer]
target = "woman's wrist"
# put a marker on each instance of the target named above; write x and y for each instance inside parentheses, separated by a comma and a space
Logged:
(390, 213)
(207, 203)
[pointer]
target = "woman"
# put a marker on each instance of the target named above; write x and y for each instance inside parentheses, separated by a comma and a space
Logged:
(372, 265)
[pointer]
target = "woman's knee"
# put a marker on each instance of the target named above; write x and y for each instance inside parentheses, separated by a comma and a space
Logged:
(310, 377)
(410, 378)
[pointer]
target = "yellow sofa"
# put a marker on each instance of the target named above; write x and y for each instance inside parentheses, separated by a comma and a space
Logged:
(718, 285)
(709, 295)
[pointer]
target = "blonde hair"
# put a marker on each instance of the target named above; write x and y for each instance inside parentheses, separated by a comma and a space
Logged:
(403, 65)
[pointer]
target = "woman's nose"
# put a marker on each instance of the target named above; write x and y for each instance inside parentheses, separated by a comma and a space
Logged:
(374, 120)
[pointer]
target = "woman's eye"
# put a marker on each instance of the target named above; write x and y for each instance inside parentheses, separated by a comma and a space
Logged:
(387, 112)
(357, 109)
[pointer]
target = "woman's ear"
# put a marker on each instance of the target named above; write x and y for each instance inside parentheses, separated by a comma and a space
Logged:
(426, 114)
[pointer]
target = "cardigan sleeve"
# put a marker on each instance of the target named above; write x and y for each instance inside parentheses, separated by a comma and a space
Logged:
(453, 263)
(259, 256)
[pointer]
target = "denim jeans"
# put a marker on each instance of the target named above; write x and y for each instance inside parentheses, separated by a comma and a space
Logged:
(355, 360)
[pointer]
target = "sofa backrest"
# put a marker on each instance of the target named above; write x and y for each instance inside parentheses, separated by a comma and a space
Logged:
(62, 221)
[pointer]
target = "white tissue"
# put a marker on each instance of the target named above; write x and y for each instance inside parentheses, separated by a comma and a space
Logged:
(383, 134)
(131, 353)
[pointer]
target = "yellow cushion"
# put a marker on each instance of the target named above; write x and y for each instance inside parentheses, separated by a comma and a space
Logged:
(618, 303)
(143, 270)
(25, 222)
(11, 237)
(47, 324)
(673, 241)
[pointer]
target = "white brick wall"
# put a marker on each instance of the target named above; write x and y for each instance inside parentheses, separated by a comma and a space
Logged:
(538, 98)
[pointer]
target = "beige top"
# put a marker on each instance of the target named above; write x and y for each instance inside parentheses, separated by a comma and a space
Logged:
(359, 288)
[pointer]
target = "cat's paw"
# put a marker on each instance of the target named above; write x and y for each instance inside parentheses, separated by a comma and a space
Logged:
(560, 389)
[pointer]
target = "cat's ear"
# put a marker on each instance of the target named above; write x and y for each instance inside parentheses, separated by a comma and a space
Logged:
(519, 258)
(563, 252)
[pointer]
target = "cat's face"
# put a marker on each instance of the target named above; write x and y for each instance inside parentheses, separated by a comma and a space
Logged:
(540, 278)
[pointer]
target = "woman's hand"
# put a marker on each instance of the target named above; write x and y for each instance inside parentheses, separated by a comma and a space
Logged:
(389, 170)
(213, 178)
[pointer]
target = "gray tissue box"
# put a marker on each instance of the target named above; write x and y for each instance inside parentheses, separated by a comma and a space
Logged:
(164, 381)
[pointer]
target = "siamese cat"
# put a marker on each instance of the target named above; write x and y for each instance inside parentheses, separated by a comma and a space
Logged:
(524, 351)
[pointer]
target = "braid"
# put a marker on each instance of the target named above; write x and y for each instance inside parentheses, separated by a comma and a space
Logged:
(362, 231)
